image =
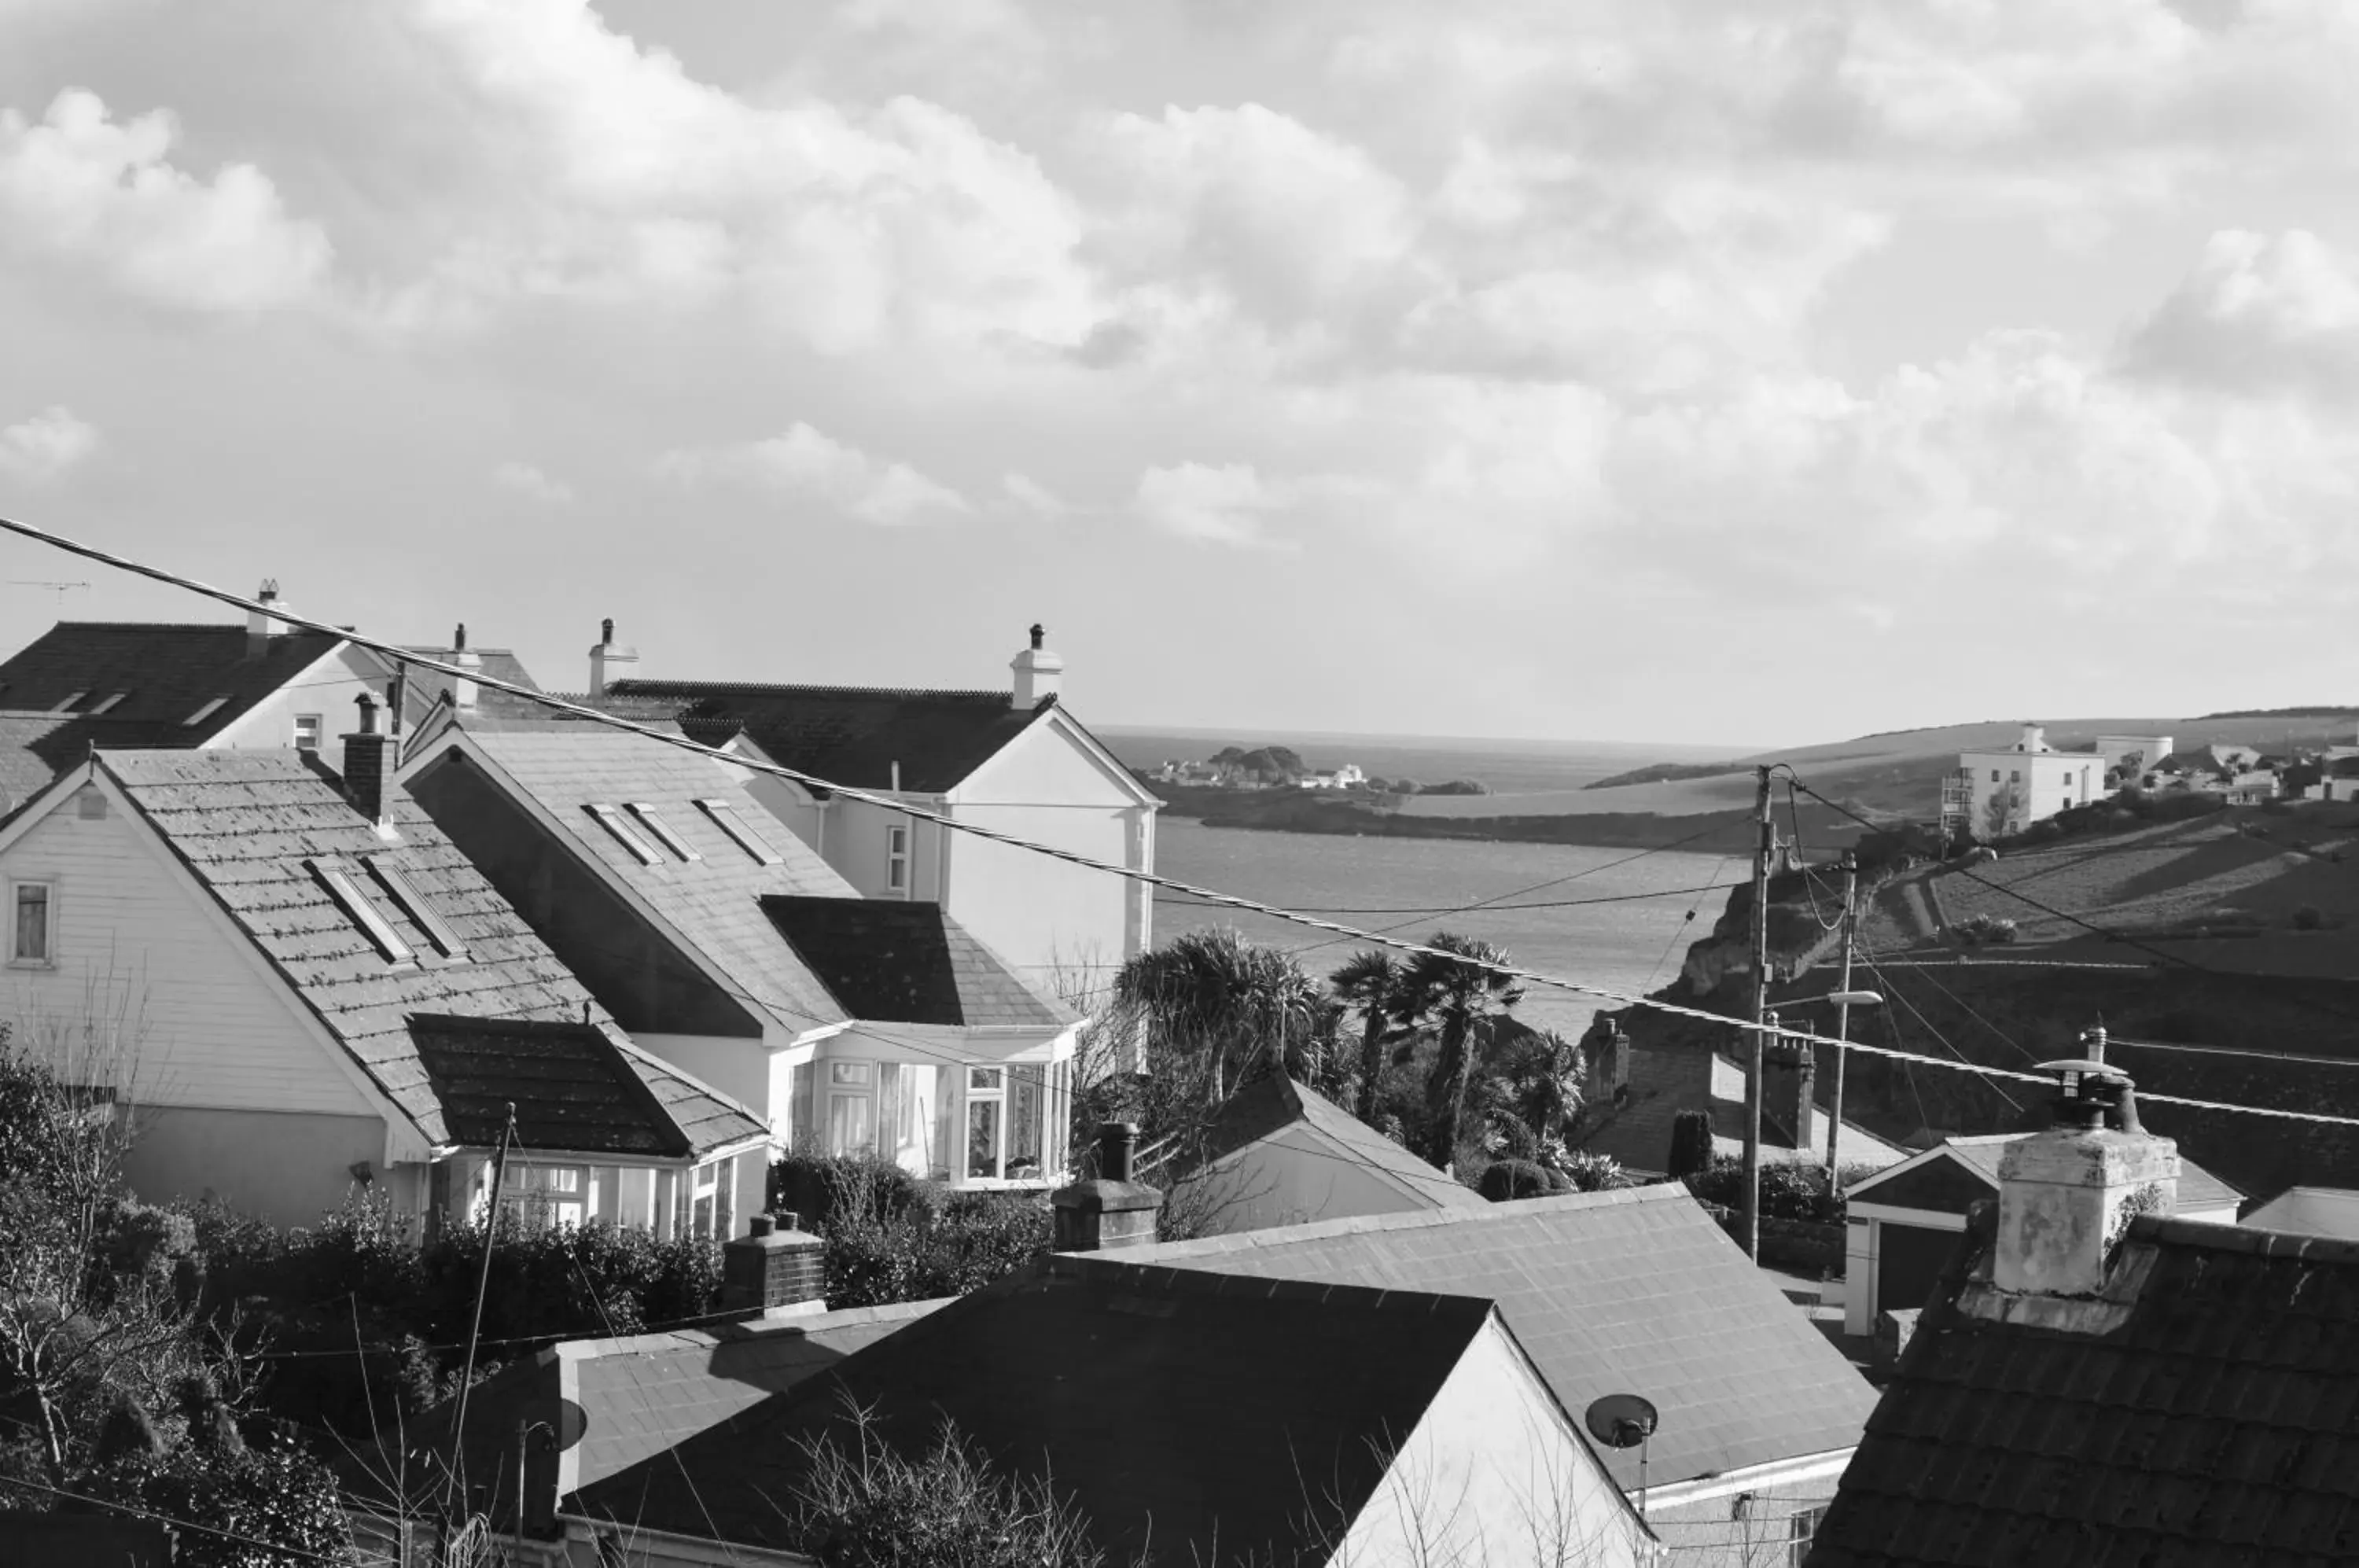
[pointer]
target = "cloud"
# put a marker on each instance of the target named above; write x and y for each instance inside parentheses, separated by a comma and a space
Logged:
(91, 192)
(805, 465)
(41, 448)
(523, 479)
(1227, 505)
(2257, 313)
(1028, 497)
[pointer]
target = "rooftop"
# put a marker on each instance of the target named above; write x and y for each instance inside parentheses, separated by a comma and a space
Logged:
(574, 1088)
(1609, 1292)
(895, 962)
(1268, 1105)
(2199, 1190)
(850, 734)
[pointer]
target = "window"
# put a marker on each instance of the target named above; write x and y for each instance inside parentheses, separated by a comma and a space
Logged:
(32, 923)
(68, 705)
(543, 1196)
(421, 914)
(851, 1108)
(2015, 775)
(986, 1105)
(612, 819)
(663, 831)
(706, 1201)
(307, 732)
(725, 817)
(897, 858)
(108, 702)
(1994, 774)
(1801, 1529)
(207, 712)
(336, 876)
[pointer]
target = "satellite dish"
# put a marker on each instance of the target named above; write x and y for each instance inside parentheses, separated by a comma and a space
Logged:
(561, 1424)
(1620, 1420)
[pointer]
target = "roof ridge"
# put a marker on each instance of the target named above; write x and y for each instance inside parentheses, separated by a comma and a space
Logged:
(1164, 1277)
(655, 1341)
(636, 686)
(1320, 1230)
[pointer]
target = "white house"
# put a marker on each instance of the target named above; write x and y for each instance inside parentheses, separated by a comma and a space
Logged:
(296, 983)
(2009, 790)
(1015, 759)
(731, 949)
(2130, 756)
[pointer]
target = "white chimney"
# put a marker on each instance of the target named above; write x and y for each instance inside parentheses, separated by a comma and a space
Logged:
(2035, 738)
(1038, 671)
(610, 662)
(2066, 1195)
(261, 626)
(462, 690)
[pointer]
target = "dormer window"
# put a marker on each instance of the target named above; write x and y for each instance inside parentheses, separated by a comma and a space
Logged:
(71, 702)
(336, 876)
(421, 914)
(896, 859)
(725, 817)
(662, 831)
(207, 712)
(612, 821)
(107, 701)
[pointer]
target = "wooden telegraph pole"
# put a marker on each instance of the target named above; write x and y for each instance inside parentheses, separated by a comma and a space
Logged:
(1843, 1018)
(1753, 1037)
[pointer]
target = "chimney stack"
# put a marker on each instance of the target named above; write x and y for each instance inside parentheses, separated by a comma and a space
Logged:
(2067, 1195)
(774, 1271)
(1789, 1085)
(1038, 671)
(462, 690)
(2034, 738)
(1112, 1211)
(261, 626)
(365, 766)
(609, 661)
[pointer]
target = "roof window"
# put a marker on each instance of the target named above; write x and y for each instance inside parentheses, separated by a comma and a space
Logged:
(68, 705)
(612, 821)
(109, 701)
(725, 817)
(662, 830)
(421, 914)
(207, 712)
(335, 875)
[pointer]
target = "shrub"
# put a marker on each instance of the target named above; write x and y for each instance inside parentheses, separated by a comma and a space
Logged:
(1985, 930)
(1791, 1190)
(1691, 1144)
(819, 1188)
(2307, 918)
(1586, 1172)
(278, 1494)
(1505, 1180)
(970, 1241)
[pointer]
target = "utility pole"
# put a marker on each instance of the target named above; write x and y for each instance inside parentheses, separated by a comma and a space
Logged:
(1766, 848)
(1843, 1018)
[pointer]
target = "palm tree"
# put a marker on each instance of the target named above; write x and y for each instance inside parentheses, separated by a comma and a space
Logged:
(1220, 1002)
(1371, 982)
(1457, 997)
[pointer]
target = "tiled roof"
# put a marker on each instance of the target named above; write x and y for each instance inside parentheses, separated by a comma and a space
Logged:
(639, 1397)
(854, 735)
(1274, 1103)
(909, 963)
(2213, 1420)
(1636, 1290)
(2199, 1190)
(34, 749)
(574, 1088)
(422, 688)
(1175, 1409)
(714, 903)
(244, 821)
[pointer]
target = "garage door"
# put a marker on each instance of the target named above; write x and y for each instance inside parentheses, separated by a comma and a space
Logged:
(1909, 1263)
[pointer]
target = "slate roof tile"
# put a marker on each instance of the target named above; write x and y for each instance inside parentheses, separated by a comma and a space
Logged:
(852, 735)
(895, 962)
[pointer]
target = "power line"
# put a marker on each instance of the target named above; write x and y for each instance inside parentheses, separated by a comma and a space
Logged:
(296, 1552)
(1447, 909)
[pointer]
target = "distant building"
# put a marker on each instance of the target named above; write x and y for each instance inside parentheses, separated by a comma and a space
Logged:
(2003, 792)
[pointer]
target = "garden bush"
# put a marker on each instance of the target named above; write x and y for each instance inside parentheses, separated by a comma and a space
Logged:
(1504, 1181)
(2308, 917)
(817, 1188)
(969, 1241)
(1791, 1190)
(1691, 1144)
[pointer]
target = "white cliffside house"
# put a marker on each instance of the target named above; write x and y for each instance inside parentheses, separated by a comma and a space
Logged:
(2005, 792)
(1014, 759)
(296, 984)
(728, 947)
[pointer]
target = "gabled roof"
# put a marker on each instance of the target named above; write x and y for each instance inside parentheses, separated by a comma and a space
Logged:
(421, 688)
(1636, 1290)
(2205, 1417)
(909, 963)
(639, 1396)
(245, 823)
(1175, 1409)
(574, 1088)
(1270, 1104)
(854, 735)
(2199, 1191)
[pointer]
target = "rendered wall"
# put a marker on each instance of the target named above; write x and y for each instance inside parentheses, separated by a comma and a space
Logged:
(328, 688)
(1294, 1177)
(285, 1169)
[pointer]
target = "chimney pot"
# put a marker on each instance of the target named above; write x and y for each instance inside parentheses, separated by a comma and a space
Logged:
(606, 631)
(1113, 1211)
(459, 638)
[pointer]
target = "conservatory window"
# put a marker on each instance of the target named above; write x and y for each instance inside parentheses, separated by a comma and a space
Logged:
(1014, 1129)
(543, 1196)
(851, 1108)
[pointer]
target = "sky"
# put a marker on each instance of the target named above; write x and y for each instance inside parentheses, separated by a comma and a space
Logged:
(1709, 373)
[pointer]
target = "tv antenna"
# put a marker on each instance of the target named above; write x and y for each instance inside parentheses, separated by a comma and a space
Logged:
(1624, 1420)
(60, 589)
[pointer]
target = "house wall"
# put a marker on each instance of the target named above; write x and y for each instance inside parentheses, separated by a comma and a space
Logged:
(738, 1067)
(1293, 1177)
(1747, 1520)
(328, 688)
(2048, 781)
(1494, 1474)
(856, 846)
(283, 1169)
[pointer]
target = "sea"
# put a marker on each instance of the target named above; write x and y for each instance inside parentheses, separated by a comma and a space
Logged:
(1617, 917)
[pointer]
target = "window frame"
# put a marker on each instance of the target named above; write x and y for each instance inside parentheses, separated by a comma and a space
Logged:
(898, 867)
(340, 880)
(722, 814)
(666, 834)
(68, 705)
(623, 832)
(48, 886)
(319, 724)
(424, 916)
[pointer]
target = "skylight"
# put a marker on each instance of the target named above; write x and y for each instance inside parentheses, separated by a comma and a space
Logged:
(207, 712)
(421, 914)
(663, 830)
(108, 702)
(68, 705)
(336, 876)
(725, 817)
(612, 819)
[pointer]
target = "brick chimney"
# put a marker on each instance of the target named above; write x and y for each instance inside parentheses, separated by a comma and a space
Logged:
(1789, 1085)
(1038, 671)
(774, 1271)
(610, 661)
(260, 625)
(462, 690)
(2066, 1195)
(1605, 1064)
(1112, 1211)
(364, 766)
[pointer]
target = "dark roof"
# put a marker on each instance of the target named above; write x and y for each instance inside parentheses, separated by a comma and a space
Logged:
(851, 735)
(2210, 1415)
(573, 1086)
(2199, 1190)
(1174, 1409)
(907, 963)
(246, 821)
(1608, 1293)
(1272, 1104)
